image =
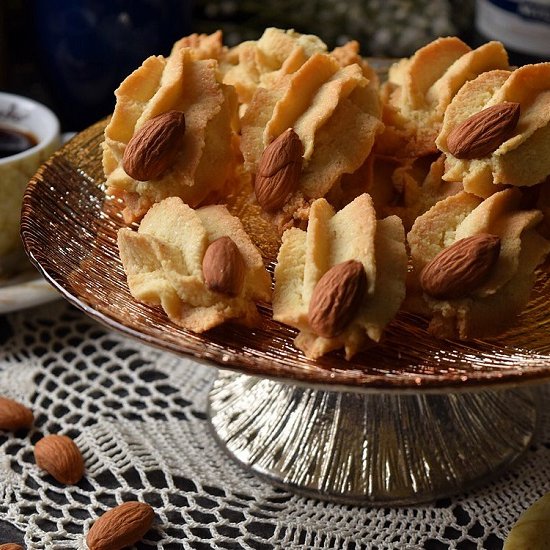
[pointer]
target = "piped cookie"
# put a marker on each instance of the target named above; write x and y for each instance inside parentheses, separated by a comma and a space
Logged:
(419, 90)
(176, 123)
(199, 265)
(474, 262)
(341, 281)
(497, 129)
(258, 63)
(333, 110)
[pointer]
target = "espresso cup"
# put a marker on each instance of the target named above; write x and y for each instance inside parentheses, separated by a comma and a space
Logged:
(29, 134)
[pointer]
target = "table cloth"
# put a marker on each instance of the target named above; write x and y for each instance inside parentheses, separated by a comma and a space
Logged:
(138, 415)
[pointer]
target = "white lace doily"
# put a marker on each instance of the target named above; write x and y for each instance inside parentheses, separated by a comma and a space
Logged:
(138, 415)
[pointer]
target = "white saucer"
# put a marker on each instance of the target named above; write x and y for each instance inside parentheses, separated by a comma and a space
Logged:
(25, 290)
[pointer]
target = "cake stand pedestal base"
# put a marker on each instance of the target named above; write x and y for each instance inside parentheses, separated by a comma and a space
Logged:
(370, 448)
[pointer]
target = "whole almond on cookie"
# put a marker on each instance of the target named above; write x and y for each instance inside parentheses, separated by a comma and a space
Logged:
(460, 268)
(484, 132)
(336, 298)
(10, 546)
(121, 526)
(60, 457)
(154, 147)
(279, 171)
(14, 415)
(223, 267)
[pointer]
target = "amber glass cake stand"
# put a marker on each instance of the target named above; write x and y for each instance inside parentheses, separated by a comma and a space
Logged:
(409, 420)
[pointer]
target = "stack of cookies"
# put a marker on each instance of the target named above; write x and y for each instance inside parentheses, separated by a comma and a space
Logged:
(428, 193)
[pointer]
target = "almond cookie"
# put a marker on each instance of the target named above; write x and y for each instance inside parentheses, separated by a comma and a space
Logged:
(497, 129)
(195, 163)
(420, 88)
(474, 262)
(341, 282)
(199, 265)
(202, 46)
(333, 111)
(408, 187)
(257, 63)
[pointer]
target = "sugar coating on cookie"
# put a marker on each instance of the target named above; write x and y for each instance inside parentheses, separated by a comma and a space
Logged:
(492, 306)
(331, 238)
(522, 158)
(203, 169)
(163, 261)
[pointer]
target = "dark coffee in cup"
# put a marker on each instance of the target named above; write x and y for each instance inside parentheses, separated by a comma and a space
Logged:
(14, 140)
(29, 134)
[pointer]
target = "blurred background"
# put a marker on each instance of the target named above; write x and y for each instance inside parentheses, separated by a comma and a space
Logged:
(72, 54)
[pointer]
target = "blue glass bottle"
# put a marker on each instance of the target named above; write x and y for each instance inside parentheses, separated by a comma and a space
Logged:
(87, 47)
